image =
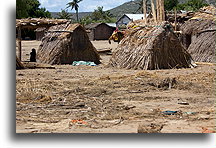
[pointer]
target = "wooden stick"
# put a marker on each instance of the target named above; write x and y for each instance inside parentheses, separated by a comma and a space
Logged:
(158, 10)
(19, 44)
(144, 11)
(153, 11)
(175, 20)
(59, 31)
(214, 30)
(162, 10)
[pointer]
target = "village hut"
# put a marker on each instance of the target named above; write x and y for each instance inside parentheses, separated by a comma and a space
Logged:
(66, 43)
(198, 36)
(99, 31)
(19, 65)
(150, 47)
(25, 28)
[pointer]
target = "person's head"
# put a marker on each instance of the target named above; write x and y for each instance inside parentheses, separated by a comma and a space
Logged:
(33, 50)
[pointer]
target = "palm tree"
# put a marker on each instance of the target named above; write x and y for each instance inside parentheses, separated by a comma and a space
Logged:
(74, 5)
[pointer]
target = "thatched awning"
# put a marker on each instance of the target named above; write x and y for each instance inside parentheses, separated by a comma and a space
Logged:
(39, 22)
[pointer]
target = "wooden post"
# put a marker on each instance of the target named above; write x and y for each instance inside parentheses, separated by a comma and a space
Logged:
(162, 11)
(144, 11)
(153, 11)
(158, 10)
(175, 20)
(19, 44)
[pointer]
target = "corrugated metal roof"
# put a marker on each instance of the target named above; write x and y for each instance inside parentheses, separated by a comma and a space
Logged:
(136, 16)
(111, 24)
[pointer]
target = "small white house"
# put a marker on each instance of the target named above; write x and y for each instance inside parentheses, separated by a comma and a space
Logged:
(126, 18)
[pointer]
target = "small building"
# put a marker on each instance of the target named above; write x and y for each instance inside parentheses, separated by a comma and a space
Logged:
(40, 33)
(126, 18)
(99, 31)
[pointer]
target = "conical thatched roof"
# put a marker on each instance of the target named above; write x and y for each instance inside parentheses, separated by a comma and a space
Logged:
(198, 35)
(66, 43)
(150, 47)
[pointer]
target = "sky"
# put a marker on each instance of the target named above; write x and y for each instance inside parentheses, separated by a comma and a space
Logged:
(84, 6)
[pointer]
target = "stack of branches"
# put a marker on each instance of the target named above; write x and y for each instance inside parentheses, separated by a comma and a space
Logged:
(66, 43)
(198, 36)
(39, 22)
(151, 47)
(19, 65)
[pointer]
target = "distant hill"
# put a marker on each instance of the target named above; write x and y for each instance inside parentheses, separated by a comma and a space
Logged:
(128, 7)
(81, 14)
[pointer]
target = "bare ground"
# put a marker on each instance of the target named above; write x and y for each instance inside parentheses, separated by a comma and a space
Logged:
(101, 99)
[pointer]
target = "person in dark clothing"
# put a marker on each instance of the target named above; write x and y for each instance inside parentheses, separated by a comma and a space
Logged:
(33, 55)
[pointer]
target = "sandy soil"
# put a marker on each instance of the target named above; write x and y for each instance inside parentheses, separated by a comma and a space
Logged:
(101, 99)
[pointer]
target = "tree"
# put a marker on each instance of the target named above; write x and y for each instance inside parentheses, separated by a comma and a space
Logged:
(101, 16)
(170, 4)
(30, 8)
(64, 14)
(74, 5)
(192, 5)
(98, 16)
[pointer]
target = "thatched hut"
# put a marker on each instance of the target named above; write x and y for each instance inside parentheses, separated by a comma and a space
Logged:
(150, 47)
(66, 43)
(99, 31)
(198, 36)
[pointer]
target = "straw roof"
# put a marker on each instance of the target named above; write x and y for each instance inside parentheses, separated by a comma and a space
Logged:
(39, 22)
(66, 43)
(151, 47)
(200, 31)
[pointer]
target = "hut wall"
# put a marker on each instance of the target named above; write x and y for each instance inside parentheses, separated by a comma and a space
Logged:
(103, 32)
(40, 35)
(91, 34)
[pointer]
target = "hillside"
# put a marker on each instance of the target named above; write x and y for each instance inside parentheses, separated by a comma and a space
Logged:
(128, 7)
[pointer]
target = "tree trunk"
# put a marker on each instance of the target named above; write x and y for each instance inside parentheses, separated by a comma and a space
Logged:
(77, 15)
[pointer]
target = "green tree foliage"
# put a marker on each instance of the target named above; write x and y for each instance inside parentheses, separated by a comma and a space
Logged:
(74, 5)
(192, 5)
(64, 14)
(30, 8)
(99, 16)
(170, 4)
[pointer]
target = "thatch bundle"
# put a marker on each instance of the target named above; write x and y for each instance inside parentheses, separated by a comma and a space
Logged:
(66, 43)
(151, 47)
(19, 65)
(198, 36)
(39, 22)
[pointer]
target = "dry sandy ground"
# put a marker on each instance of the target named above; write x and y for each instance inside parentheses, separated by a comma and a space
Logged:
(101, 99)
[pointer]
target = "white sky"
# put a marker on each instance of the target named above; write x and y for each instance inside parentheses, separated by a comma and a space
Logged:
(84, 6)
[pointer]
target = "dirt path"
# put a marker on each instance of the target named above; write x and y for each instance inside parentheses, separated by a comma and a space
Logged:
(102, 99)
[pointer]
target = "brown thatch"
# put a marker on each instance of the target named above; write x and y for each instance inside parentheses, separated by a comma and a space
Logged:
(39, 22)
(151, 47)
(19, 65)
(66, 43)
(198, 36)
